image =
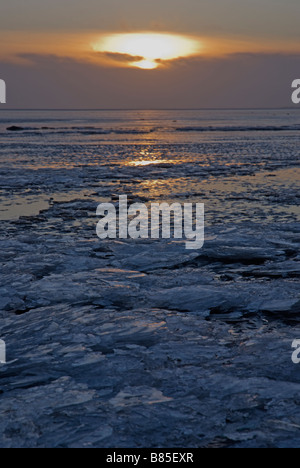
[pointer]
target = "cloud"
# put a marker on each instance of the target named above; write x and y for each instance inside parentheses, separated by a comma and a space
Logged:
(17, 46)
(113, 58)
(240, 80)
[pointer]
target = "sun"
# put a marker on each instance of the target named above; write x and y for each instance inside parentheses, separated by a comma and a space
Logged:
(148, 50)
(145, 64)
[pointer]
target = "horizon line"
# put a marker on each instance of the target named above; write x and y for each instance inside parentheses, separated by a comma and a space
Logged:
(147, 109)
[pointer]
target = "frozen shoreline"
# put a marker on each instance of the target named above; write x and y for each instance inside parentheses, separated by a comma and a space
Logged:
(143, 343)
(148, 345)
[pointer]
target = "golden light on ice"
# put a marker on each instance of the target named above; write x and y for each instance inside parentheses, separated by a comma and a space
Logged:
(148, 50)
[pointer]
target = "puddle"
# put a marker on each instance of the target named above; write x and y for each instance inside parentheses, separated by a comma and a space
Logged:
(12, 208)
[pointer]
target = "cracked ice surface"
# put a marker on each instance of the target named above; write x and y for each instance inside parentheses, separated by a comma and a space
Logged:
(143, 343)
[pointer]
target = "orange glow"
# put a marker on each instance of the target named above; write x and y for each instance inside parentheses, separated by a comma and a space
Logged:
(148, 49)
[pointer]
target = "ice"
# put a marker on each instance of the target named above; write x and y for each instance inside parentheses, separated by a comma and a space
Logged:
(137, 396)
(108, 331)
(286, 308)
(127, 343)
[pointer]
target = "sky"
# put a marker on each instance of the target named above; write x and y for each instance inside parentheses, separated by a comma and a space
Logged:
(149, 54)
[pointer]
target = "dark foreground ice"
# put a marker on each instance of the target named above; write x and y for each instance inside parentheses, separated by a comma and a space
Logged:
(143, 343)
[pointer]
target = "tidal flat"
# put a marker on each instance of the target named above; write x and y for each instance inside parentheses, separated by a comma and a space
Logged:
(142, 343)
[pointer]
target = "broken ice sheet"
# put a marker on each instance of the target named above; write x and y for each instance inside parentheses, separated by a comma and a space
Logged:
(134, 396)
(124, 343)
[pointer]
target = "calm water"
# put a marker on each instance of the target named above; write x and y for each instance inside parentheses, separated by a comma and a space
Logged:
(242, 163)
(92, 127)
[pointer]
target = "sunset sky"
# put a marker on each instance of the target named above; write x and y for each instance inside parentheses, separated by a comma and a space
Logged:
(142, 54)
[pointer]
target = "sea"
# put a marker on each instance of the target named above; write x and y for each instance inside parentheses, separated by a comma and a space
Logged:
(246, 159)
(143, 343)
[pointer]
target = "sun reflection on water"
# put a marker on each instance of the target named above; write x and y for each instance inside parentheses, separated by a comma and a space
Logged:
(148, 162)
